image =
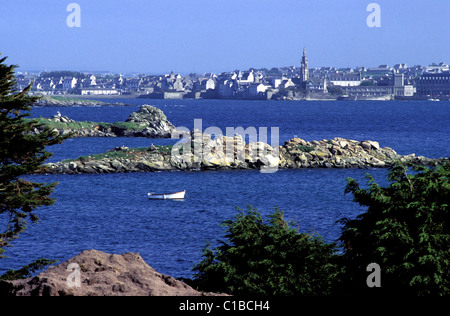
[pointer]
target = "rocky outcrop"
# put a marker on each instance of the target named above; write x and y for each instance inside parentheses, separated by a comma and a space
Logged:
(201, 152)
(340, 153)
(60, 118)
(95, 273)
(148, 121)
(154, 121)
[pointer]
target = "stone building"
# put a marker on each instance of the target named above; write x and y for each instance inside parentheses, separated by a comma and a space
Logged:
(434, 84)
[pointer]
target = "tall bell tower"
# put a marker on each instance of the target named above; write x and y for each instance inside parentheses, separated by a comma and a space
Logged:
(304, 69)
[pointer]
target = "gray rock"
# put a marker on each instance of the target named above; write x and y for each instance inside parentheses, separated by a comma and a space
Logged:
(154, 120)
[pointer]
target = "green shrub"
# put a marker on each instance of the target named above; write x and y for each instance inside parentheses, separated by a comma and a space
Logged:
(270, 258)
(405, 230)
(306, 149)
(28, 270)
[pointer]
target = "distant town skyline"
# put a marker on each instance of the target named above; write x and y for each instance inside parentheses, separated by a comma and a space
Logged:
(217, 36)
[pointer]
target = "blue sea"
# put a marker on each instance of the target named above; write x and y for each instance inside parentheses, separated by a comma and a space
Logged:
(111, 212)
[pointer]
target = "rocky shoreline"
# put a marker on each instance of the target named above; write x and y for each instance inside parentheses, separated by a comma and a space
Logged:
(201, 152)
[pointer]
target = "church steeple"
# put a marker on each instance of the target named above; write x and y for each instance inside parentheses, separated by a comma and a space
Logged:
(305, 70)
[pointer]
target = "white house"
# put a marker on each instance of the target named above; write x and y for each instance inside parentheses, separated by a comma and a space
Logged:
(246, 77)
(208, 84)
(276, 82)
(68, 83)
(178, 84)
(286, 83)
(93, 80)
(257, 88)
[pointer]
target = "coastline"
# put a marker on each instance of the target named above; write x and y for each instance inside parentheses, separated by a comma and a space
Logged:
(102, 100)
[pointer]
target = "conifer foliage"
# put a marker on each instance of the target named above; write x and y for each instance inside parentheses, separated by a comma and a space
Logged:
(405, 230)
(268, 258)
(21, 154)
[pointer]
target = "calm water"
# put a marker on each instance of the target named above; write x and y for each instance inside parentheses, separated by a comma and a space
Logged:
(112, 213)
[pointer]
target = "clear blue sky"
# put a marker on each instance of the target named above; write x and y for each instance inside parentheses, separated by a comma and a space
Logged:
(185, 36)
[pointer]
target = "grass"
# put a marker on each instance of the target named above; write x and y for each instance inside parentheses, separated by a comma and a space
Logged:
(164, 149)
(80, 125)
(60, 98)
(125, 153)
(130, 153)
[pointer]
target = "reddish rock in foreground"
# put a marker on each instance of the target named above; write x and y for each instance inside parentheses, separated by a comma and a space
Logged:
(100, 274)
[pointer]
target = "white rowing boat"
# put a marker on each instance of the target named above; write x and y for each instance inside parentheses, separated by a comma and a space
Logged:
(167, 196)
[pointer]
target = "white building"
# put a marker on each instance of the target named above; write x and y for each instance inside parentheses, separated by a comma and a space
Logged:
(68, 83)
(246, 77)
(286, 84)
(276, 82)
(257, 88)
(208, 84)
(400, 89)
(346, 80)
(442, 67)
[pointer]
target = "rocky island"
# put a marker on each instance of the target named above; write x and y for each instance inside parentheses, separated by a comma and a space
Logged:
(202, 152)
(148, 122)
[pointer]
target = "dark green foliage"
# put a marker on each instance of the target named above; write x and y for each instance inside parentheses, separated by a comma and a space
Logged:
(21, 153)
(27, 271)
(306, 149)
(267, 259)
(63, 73)
(406, 230)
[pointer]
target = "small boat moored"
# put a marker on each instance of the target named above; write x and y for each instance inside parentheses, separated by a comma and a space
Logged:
(167, 196)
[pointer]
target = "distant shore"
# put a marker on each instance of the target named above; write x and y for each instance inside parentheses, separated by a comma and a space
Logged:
(102, 100)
